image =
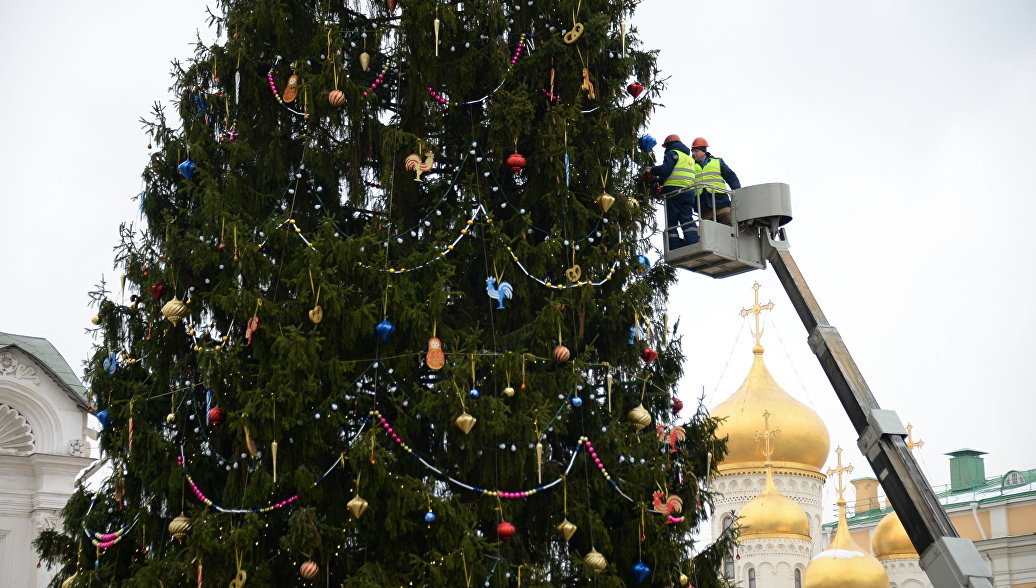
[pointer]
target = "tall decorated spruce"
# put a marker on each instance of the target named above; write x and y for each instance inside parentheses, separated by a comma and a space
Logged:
(393, 319)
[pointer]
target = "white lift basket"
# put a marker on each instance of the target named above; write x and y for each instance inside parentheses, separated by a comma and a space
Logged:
(758, 214)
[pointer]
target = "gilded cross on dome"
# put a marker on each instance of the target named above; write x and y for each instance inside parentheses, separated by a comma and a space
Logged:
(840, 488)
(911, 444)
(757, 309)
(767, 437)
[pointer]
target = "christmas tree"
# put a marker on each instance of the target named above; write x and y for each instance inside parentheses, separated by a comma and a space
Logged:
(393, 318)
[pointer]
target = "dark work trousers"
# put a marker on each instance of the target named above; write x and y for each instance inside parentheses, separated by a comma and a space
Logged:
(679, 211)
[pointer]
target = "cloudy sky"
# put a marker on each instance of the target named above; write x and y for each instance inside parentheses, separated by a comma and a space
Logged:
(905, 129)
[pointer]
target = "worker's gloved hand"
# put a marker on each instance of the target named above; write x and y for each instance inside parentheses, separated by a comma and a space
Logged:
(647, 174)
(658, 192)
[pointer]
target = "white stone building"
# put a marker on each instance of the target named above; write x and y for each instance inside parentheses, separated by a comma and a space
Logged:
(43, 446)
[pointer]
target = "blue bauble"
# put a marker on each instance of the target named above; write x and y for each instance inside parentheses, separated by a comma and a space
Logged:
(577, 401)
(384, 329)
(640, 571)
(102, 417)
(643, 264)
(429, 517)
(186, 168)
(647, 143)
(474, 393)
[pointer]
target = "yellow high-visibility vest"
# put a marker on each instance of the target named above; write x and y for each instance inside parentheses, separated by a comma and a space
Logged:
(683, 174)
(708, 175)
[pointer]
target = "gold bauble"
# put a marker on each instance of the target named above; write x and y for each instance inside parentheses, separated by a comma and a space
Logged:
(365, 61)
(174, 310)
(605, 201)
(357, 506)
(639, 417)
(595, 561)
(508, 391)
(465, 422)
(95, 320)
(170, 418)
(684, 580)
(317, 314)
(179, 527)
(69, 581)
(566, 529)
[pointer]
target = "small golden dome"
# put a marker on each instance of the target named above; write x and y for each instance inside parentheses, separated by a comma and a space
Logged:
(890, 540)
(843, 564)
(804, 441)
(773, 514)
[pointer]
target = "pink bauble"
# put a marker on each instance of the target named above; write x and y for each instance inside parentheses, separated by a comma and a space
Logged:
(336, 98)
(561, 354)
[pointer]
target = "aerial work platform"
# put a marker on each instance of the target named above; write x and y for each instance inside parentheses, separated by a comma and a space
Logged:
(727, 250)
(756, 235)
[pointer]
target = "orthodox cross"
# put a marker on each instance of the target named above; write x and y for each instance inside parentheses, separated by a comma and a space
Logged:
(911, 444)
(757, 309)
(840, 470)
(767, 437)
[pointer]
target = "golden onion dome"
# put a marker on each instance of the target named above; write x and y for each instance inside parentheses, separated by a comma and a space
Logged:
(843, 564)
(890, 540)
(805, 443)
(771, 514)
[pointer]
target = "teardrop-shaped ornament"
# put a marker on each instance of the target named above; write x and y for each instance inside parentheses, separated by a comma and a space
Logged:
(566, 529)
(357, 506)
(365, 61)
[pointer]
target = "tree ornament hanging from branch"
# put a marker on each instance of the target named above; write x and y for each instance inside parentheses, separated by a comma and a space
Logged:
(413, 163)
(516, 161)
(309, 569)
(499, 293)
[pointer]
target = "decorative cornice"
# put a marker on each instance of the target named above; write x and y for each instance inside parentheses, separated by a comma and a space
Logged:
(12, 368)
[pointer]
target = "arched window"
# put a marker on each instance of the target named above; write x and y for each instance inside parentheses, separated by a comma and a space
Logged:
(1014, 479)
(751, 577)
(798, 578)
(728, 561)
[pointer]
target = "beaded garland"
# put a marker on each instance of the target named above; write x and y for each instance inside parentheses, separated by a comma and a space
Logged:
(378, 80)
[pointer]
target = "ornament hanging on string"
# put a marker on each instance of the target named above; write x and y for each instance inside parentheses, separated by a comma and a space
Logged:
(499, 293)
(635, 89)
(308, 570)
(179, 527)
(434, 358)
(465, 422)
(186, 169)
(516, 161)
(639, 417)
(335, 97)
(577, 27)
(365, 58)
(623, 28)
(505, 530)
(649, 355)
(174, 310)
(413, 163)
(677, 405)
(595, 561)
(216, 417)
(157, 290)
(435, 25)
(384, 329)
(640, 571)
(565, 528)
(317, 313)
(291, 91)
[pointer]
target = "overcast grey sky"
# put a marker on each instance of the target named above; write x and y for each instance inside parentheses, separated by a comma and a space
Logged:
(905, 130)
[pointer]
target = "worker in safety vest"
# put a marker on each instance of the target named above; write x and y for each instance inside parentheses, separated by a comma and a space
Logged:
(677, 174)
(712, 171)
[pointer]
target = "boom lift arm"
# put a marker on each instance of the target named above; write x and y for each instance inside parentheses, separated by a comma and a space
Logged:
(757, 236)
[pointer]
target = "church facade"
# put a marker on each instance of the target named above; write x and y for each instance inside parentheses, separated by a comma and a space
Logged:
(771, 484)
(43, 446)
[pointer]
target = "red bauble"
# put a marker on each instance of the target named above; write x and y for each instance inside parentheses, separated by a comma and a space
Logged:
(157, 290)
(505, 531)
(217, 416)
(516, 161)
(336, 98)
(677, 405)
(561, 354)
(635, 89)
(649, 354)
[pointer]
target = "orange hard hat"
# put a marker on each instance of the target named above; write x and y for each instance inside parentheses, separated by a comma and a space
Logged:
(699, 142)
(671, 139)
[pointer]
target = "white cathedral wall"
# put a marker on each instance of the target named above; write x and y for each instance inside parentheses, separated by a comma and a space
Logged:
(905, 573)
(734, 490)
(773, 559)
(34, 485)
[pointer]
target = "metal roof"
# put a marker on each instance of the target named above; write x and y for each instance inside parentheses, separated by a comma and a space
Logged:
(53, 363)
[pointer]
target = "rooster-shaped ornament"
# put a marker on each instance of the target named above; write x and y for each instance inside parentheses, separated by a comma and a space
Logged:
(672, 504)
(674, 436)
(414, 163)
(505, 290)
